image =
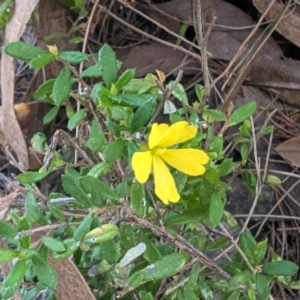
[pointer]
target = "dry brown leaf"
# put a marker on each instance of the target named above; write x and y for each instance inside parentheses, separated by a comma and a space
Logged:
(290, 151)
(289, 27)
(11, 130)
(5, 201)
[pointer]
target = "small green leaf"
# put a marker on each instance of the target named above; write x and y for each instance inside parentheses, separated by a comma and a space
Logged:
(41, 61)
(8, 254)
(96, 139)
(72, 187)
(56, 212)
(70, 245)
(50, 115)
(73, 57)
(178, 92)
(39, 142)
(193, 277)
(225, 167)
(32, 177)
(138, 200)
(44, 271)
(212, 115)
(62, 86)
(132, 254)
(167, 266)
(260, 251)
(33, 212)
(109, 251)
(53, 244)
(108, 60)
(24, 224)
(23, 51)
(13, 279)
(262, 286)
(189, 216)
(242, 113)
(125, 78)
(143, 114)
(280, 268)
(151, 254)
(97, 170)
(8, 232)
(114, 150)
(206, 290)
(100, 191)
(244, 152)
(83, 228)
(248, 246)
(127, 238)
(77, 118)
(93, 71)
(104, 233)
(267, 130)
(199, 92)
(132, 100)
(216, 208)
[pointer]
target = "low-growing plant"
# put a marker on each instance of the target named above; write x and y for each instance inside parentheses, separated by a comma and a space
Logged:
(143, 200)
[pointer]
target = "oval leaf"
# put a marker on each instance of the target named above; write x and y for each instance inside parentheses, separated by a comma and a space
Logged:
(62, 86)
(280, 268)
(242, 113)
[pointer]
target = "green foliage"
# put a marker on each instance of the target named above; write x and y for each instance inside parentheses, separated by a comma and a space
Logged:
(123, 230)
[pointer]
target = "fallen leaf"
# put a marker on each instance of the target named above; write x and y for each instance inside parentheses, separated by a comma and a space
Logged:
(290, 151)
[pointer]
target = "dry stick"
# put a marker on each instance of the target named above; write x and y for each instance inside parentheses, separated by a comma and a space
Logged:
(258, 216)
(180, 242)
(81, 68)
(197, 14)
(173, 46)
(159, 25)
(241, 48)
(246, 68)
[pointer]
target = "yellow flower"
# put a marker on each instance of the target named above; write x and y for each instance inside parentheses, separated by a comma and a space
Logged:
(188, 161)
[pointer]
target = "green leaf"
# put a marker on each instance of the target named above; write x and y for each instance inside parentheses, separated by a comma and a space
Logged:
(41, 61)
(189, 216)
(167, 266)
(44, 271)
(138, 201)
(114, 150)
(33, 212)
(244, 152)
(77, 118)
(53, 244)
(97, 170)
(96, 139)
(125, 78)
(248, 246)
(260, 251)
(212, 115)
(242, 113)
(280, 268)
(235, 295)
(13, 279)
(100, 191)
(178, 92)
(70, 245)
(193, 277)
(93, 71)
(42, 94)
(56, 212)
(151, 254)
(50, 115)
(225, 167)
(132, 100)
(83, 228)
(109, 251)
(104, 233)
(39, 142)
(241, 277)
(24, 224)
(108, 60)
(72, 187)
(32, 177)
(206, 290)
(143, 114)
(23, 51)
(62, 86)
(73, 57)
(8, 254)
(8, 232)
(199, 92)
(132, 254)
(216, 208)
(101, 95)
(267, 130)
(262, 286)
(127, 238)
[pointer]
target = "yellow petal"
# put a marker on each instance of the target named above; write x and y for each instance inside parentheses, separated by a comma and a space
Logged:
(141, 164)
(178, 133)
(157, 134)
(188, 161)
(165, 187)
